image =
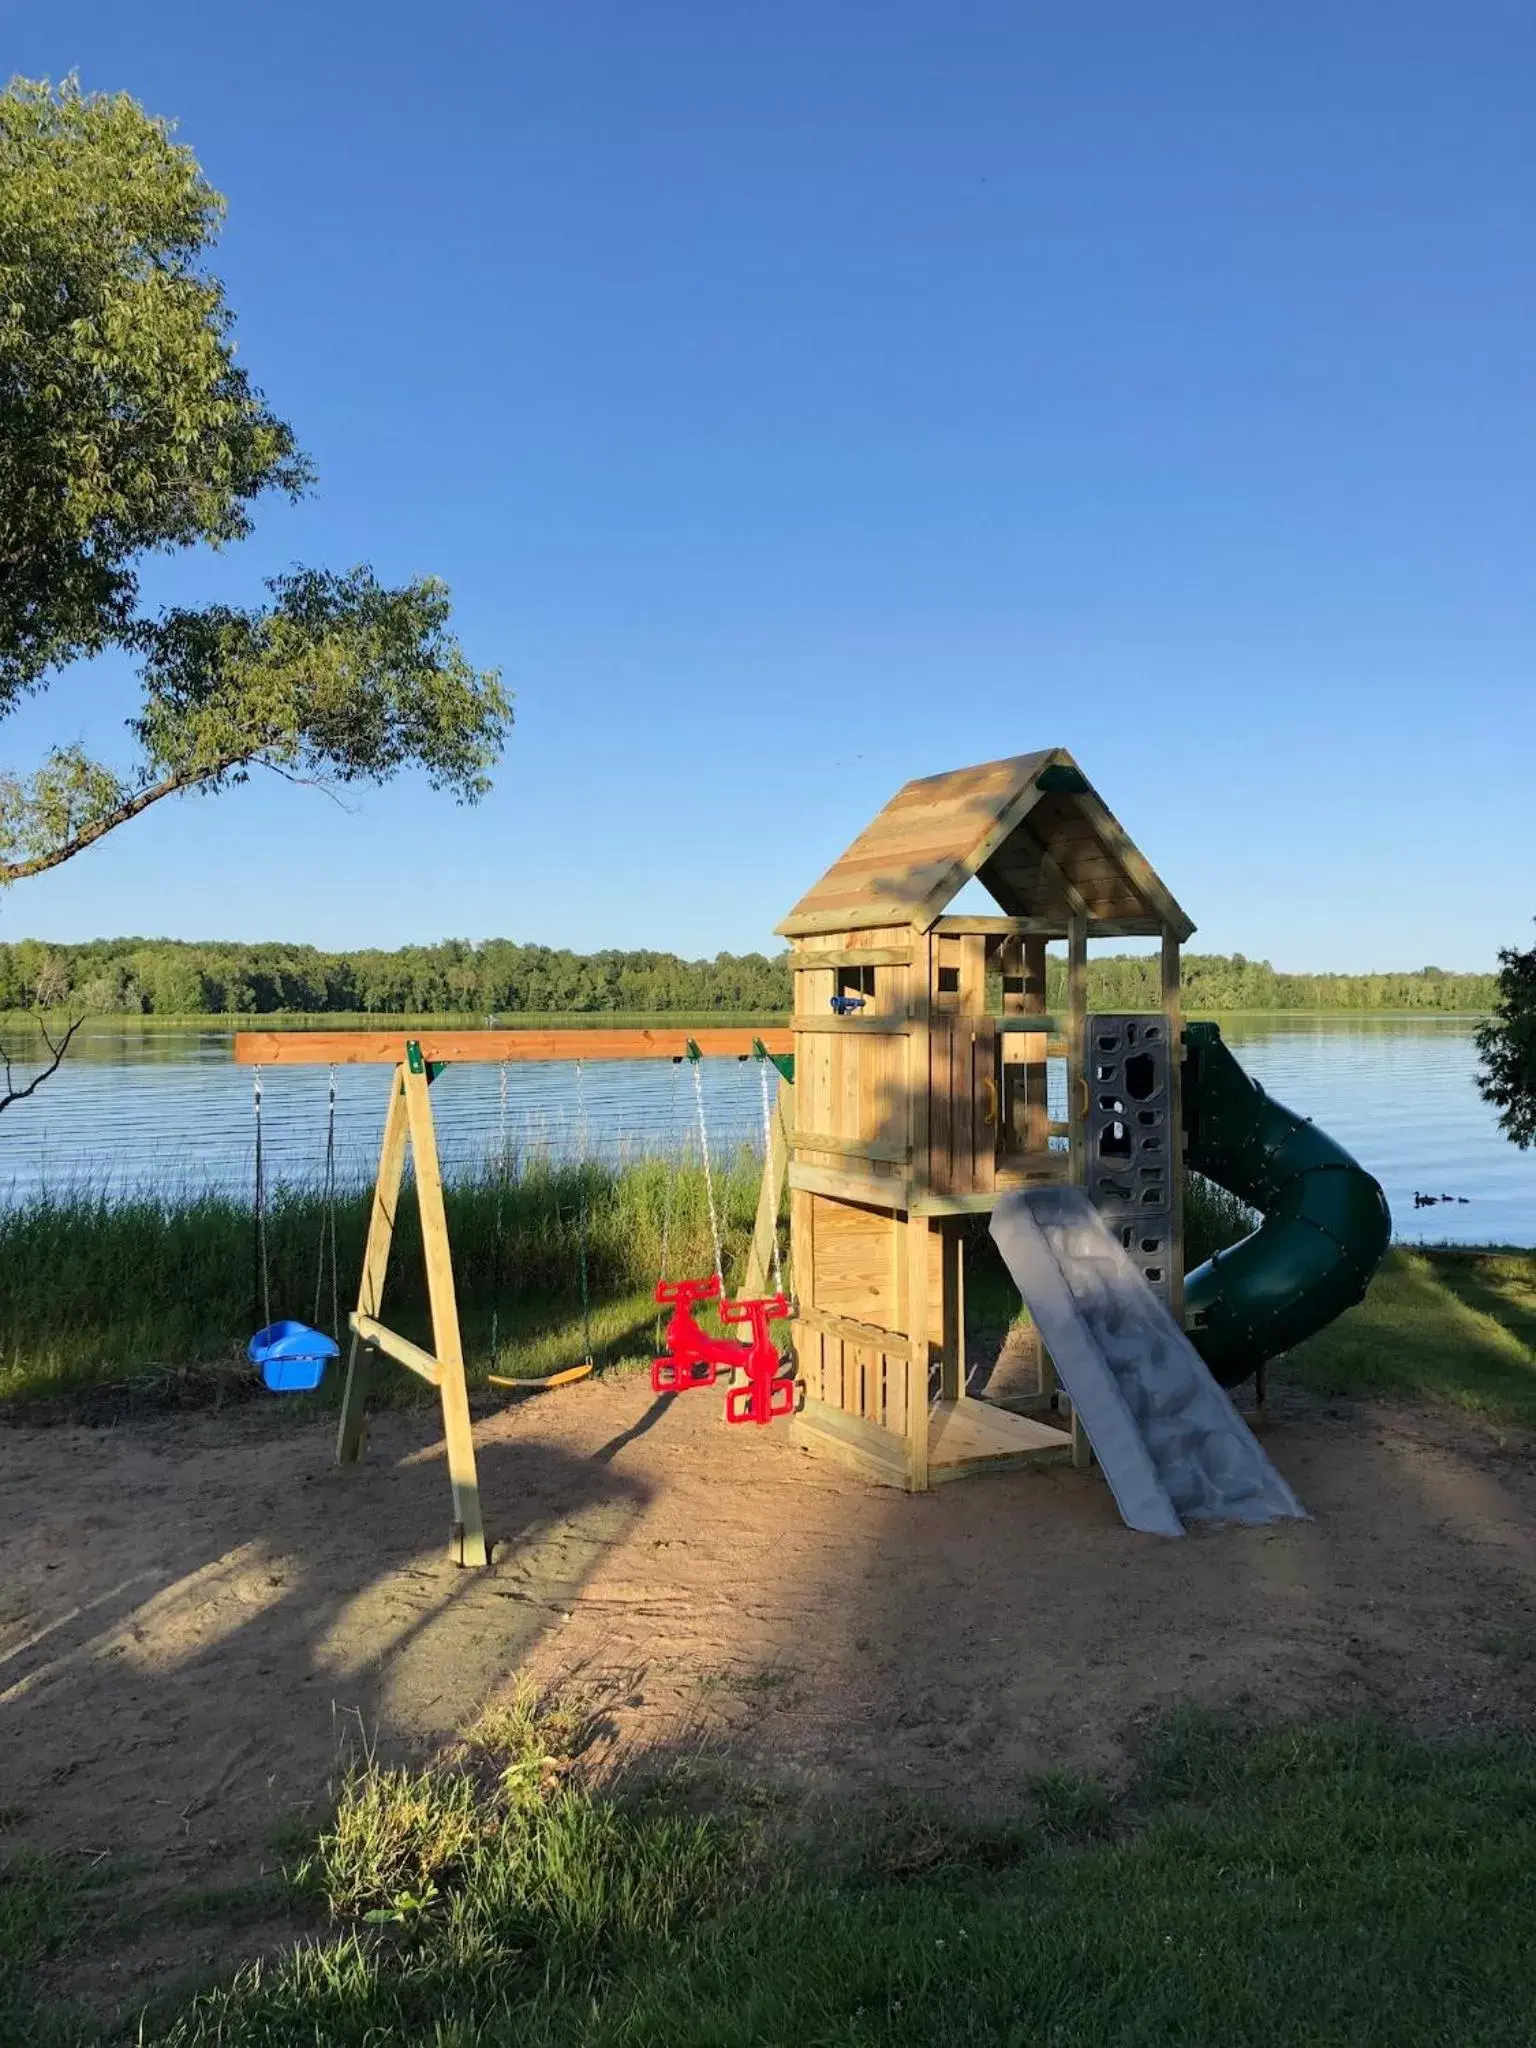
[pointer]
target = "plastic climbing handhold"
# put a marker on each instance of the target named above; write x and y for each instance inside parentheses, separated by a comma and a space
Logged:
(292, 1356)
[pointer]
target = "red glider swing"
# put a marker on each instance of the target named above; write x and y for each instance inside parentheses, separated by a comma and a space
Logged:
(692, 1357)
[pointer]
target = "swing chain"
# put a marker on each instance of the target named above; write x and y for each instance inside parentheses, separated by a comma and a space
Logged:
(679, 1133)
(328, 1218)
(583, 1220)
(263, 1280)
(709, 1180)
(496, 1243)
(762, 1077)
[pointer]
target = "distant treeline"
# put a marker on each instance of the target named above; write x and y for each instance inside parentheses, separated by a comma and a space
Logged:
(171, 977)
(1231, 981)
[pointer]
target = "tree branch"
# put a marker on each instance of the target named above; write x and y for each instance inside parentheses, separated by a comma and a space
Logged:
(313, 782)
(9, 1093)
(21, 870)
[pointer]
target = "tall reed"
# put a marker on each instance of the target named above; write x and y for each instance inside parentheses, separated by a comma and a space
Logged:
(98, 1287)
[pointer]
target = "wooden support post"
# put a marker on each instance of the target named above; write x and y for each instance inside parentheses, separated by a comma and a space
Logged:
(1050, 1385)
(1082, 1450)
(467, 1536)
(1173, 1013)
(915, 1248)
(1037, 1085)
(1077, 1102)
(1077, 1046)
(914, 1232)
(352, 1427)
(952, 1282)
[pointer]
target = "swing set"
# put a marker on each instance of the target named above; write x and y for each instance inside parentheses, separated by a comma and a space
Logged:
(293, 1356)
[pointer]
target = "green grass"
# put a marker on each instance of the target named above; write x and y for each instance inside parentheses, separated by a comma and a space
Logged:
(1281, 1888)
(1453, 1326)
(1457, 1327)
(105, 1301)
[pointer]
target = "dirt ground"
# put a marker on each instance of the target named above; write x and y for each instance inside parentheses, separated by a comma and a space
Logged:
(198, 1616)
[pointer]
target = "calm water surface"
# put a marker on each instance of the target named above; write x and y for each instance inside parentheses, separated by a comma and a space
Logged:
(137, 1104)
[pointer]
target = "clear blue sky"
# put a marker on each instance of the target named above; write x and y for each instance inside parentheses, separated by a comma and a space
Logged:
(799, 398)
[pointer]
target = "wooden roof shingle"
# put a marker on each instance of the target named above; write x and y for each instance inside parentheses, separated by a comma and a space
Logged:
(1032, 827)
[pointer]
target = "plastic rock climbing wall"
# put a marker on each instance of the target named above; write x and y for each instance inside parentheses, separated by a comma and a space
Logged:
(1131, 1146)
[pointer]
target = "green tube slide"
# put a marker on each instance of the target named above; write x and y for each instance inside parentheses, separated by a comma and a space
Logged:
(1326, 1222)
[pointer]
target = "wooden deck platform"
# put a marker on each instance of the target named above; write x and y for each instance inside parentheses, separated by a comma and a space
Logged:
(964, 1437)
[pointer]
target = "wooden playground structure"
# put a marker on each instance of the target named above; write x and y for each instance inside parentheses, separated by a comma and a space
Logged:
(915, 1091)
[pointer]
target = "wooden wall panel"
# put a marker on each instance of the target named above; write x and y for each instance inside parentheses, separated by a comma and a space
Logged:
(934, 1289)
(854, 1262)
(808, 1345)
(964, 1105)
(849, 1085)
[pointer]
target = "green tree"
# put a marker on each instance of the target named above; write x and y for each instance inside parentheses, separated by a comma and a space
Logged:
(1506, 1045)
(126, 427)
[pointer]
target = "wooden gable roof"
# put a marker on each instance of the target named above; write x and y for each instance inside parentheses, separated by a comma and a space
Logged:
(1032, 828)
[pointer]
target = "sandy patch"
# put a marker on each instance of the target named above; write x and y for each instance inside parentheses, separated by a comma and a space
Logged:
(195, 1614)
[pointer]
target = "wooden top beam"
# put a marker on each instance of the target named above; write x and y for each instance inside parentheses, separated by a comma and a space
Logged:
(463, 1048)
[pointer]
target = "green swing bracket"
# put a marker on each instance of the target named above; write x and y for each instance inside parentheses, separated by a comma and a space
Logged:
(417, 1065)
(784, 1061)
(693, 1052)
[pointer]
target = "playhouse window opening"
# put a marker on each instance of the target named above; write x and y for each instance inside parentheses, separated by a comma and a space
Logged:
(856, 981)
(949, 981)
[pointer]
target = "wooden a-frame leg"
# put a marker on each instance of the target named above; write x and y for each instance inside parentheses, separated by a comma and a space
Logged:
(467, 1536)
(352, 1427)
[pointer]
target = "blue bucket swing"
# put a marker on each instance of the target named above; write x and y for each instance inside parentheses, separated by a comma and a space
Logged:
(293, 1356)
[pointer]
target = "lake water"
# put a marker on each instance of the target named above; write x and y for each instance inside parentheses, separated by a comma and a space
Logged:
(138, 1104)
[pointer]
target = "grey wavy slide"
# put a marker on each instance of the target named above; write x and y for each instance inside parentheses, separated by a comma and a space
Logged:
(1172, 1446)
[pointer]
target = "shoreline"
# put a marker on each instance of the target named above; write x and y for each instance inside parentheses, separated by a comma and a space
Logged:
(593, 1020)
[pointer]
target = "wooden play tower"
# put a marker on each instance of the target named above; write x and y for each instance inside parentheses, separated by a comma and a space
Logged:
(923, 1055)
